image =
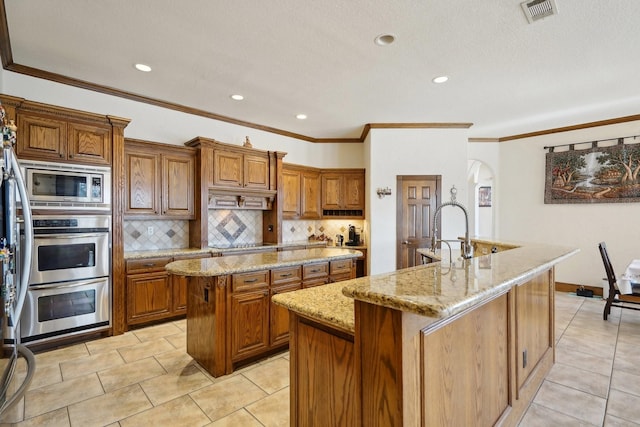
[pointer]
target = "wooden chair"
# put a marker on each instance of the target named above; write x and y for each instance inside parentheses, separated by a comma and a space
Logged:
(616, 299)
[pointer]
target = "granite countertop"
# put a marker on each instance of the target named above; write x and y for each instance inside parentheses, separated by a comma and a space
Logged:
(437, 290)
(325, 304)
(165, 253)
(258, 261)
(219, 250)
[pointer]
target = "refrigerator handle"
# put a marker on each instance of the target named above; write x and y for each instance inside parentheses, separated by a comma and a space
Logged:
(28, 238)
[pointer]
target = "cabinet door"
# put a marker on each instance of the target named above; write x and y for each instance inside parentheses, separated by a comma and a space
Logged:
(353, 191)
(41, 138)
(279, 316)
(534, 314)
(179, 294)
(178, 186)
(142, 183)
(228, 167)
(249, 323)
(291, 189)
(256, 172)
(310, 203)
(148, 297)
(332, 191)
(89, 143)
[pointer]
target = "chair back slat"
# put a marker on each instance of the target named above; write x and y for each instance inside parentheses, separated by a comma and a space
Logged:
(611, 276)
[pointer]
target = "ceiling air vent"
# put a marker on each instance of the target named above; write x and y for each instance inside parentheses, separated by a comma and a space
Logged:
(539, 9)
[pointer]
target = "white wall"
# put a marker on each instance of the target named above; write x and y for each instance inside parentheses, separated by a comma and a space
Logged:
(525, 217)
(158, 124)
(393, 152)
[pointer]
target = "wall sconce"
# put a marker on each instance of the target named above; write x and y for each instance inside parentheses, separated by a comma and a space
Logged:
(383, 192)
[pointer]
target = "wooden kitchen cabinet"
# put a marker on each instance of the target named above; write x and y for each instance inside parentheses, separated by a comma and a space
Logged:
(534, 302)
(342, 193)
(149, 291)
(234, 168)
(179, 286)
(301, 186)
(152, 294)
(284, 279)
(249, 311)
(48, 138)
(159, 181)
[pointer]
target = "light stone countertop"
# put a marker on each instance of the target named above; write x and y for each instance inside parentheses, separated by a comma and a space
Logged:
(219, 266)
(213, 250)
(435, 290)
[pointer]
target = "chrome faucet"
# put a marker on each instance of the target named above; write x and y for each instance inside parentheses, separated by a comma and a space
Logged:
(467, 249)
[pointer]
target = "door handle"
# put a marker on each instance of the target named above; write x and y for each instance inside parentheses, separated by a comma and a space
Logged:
(406, 242)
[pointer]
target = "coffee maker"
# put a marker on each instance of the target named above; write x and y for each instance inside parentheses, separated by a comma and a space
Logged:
(354, 238)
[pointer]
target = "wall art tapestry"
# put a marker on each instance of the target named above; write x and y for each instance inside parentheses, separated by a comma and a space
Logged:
(595, 175)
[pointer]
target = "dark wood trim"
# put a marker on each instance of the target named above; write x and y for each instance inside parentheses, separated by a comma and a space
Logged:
(483, 140)
(570, 287)
(588, 125)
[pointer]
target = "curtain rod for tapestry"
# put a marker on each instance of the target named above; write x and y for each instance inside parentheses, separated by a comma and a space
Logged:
(594, 144)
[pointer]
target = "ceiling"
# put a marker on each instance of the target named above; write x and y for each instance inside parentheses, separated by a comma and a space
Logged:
(319, 58)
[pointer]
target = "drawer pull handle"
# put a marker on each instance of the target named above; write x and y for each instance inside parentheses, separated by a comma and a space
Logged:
(286, 275)
(149, 264)
(315, 270)
(251, 281)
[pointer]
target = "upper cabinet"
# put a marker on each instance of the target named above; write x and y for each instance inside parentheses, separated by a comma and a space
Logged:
(58, 134)
(301, 188)
(343, 193)
(237, 176)
(236, 169)
(159, 180)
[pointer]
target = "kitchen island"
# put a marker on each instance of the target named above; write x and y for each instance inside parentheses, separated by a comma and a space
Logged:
(461, 343)
(230, 317)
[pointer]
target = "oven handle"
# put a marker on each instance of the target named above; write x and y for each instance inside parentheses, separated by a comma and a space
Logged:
(65, 286)
(69, 236)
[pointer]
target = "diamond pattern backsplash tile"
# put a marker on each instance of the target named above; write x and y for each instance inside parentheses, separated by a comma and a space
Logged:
(235, 227)
(301, 230)
(167, 234)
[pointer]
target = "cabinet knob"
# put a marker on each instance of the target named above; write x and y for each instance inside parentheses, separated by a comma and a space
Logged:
(71, 156)
(61, 155)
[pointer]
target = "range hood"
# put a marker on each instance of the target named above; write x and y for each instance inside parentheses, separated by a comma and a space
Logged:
(245, 198)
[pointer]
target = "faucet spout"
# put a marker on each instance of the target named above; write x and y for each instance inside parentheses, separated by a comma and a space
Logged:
(467, 249)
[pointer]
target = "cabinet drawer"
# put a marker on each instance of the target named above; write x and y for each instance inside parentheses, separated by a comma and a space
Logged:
(286, 275)
(147, 265)
(250, 281)
(315, 270)
(340, 277)
(342, 266)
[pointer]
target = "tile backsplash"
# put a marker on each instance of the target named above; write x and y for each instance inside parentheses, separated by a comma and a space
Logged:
(228, 228)
(300, 230)
(165, 234)
(234, 227)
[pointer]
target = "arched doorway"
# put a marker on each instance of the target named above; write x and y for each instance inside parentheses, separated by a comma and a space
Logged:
(482, 198)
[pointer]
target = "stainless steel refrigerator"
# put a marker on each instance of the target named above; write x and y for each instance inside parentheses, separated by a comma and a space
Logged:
(16, 243)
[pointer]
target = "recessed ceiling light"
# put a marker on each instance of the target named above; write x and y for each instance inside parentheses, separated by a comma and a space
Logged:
(440, 79)
(143, 67)
(301, 116)
(384, 39)
(237, 97)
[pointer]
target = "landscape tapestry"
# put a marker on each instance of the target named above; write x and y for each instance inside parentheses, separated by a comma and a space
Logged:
(594, 175)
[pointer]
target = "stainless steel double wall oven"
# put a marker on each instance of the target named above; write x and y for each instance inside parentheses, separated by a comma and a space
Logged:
(70, 286)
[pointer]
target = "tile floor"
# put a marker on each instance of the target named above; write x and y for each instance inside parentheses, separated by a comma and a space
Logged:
(145, 377)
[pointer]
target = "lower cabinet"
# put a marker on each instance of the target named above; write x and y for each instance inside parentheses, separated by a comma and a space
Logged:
(231, 319)
(249, 314)
(152, 294)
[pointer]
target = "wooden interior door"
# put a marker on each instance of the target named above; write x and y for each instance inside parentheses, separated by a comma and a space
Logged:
(418, 199)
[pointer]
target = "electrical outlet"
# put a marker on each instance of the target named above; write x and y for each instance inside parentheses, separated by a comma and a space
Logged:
(150, 231)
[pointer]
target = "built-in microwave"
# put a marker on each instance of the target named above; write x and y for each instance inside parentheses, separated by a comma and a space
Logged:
(67, 186)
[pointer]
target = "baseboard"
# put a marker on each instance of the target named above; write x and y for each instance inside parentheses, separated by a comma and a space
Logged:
(570, 287)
